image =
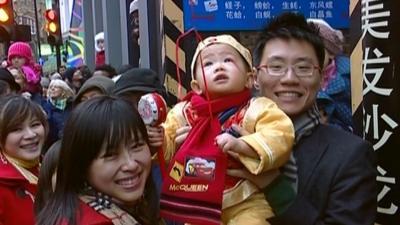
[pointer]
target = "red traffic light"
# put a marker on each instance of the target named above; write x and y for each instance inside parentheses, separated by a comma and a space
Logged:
(51, 14)
(4, 2)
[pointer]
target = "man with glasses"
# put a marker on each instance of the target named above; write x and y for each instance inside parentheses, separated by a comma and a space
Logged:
(332, 173)
(278, 68)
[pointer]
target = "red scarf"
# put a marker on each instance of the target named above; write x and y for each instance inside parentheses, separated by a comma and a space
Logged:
(192, 191)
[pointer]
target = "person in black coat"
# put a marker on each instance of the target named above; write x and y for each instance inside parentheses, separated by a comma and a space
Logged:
(331, 175)
(57, 107)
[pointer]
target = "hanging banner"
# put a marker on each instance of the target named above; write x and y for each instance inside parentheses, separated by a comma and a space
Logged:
(380, 107)
(222, 15)
(75, 43)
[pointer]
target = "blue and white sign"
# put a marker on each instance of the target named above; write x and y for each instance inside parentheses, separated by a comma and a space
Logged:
(225, 15)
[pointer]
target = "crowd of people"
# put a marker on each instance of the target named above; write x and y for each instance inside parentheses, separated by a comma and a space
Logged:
(263, 137)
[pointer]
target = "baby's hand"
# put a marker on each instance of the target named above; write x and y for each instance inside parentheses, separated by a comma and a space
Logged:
(234, 146)
(226, 142)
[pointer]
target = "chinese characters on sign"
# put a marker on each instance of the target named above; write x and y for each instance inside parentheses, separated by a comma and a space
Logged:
(220, 15)
(321, 9)
(381, 120)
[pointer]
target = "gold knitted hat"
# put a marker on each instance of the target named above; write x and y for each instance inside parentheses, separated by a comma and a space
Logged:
(221, 39)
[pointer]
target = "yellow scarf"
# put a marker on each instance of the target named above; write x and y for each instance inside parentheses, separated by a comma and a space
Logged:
(23, 167)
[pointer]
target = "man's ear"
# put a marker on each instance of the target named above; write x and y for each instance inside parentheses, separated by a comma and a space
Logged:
(256, 84)
(194, 84)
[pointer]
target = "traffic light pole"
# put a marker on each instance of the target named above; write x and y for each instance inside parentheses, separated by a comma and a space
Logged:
(58, 55)
(37, 29)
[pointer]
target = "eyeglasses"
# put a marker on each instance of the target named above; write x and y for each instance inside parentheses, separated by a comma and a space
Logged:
(280, 69)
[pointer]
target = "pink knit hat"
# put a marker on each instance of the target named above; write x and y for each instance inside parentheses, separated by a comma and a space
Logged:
(20, 49)
(333, 39)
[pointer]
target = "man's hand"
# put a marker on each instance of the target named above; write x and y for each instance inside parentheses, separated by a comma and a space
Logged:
(156, 137)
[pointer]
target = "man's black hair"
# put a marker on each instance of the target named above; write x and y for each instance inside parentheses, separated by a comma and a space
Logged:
(108, 68)
(290, 26)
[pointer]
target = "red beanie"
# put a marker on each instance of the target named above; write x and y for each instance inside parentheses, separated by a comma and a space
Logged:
(20, 49)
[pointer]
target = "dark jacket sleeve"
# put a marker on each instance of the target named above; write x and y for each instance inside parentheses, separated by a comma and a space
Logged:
(351, 197)
(306, 216)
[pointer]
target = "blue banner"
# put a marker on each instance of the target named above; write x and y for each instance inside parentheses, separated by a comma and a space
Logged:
(229, 15)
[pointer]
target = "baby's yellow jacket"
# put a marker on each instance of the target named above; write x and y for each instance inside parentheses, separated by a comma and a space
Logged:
(271, 137)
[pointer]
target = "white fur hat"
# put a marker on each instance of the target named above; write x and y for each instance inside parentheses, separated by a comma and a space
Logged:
(133, 6)
(99, 36)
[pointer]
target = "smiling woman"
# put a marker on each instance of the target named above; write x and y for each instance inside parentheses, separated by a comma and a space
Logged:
(23, 129)
(102, 174)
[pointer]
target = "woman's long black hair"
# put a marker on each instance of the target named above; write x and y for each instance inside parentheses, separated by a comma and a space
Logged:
(97, 122)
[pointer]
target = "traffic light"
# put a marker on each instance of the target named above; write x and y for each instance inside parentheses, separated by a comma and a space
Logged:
(6, 20)
(53, 27)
